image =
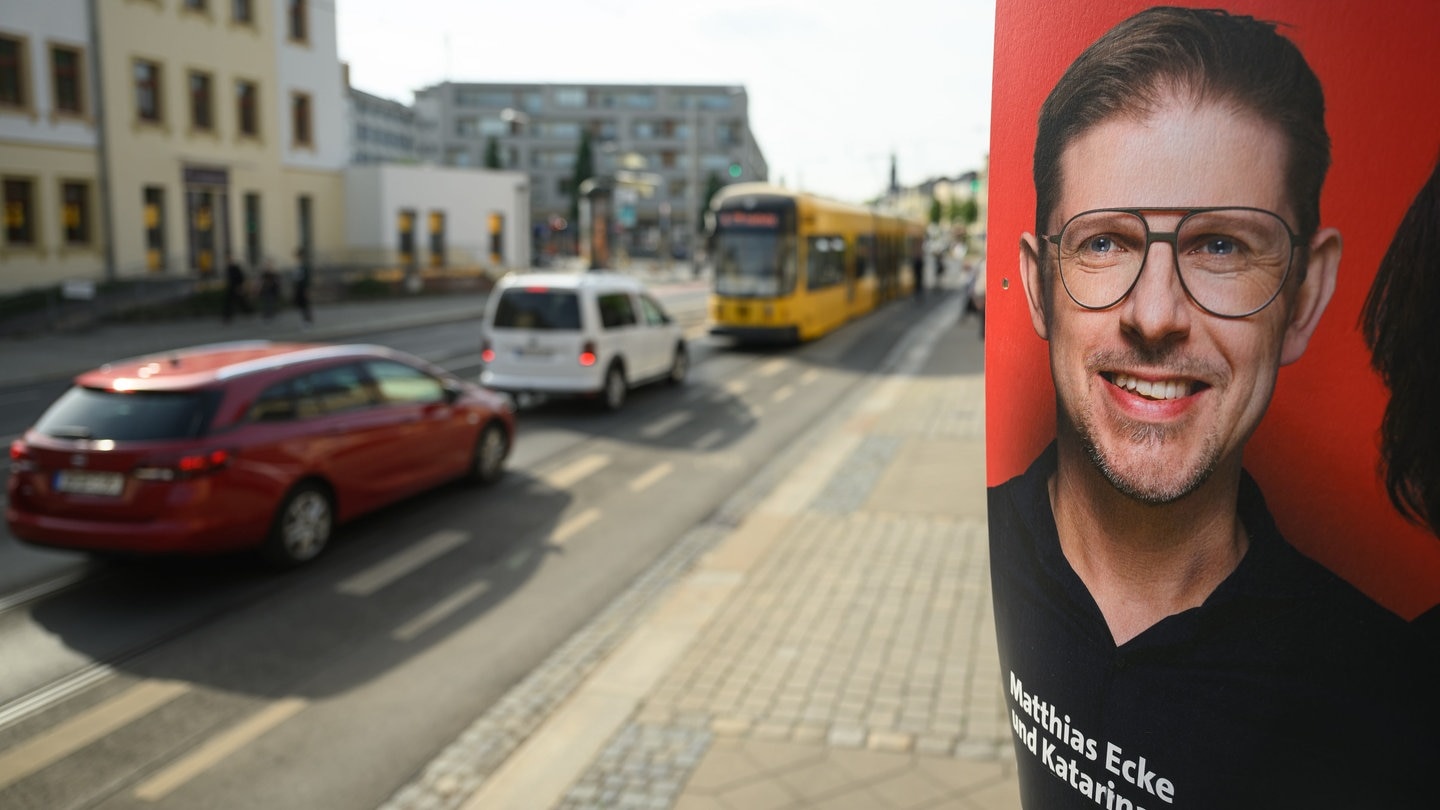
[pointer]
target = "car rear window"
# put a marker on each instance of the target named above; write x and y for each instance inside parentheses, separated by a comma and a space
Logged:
(91, 413)
(521, 308)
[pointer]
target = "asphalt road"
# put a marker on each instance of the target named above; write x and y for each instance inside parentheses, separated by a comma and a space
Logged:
(221, 684)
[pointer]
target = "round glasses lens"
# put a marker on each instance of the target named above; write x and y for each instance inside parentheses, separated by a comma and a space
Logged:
(1101, 253)
(1233, 261)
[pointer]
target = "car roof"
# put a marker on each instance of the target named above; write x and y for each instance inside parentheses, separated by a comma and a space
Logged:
(201, 366)
(572, 281)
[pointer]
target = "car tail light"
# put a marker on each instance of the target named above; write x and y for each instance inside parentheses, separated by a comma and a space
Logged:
(20, 458)
(191, 465)
(587, 353)
(487, 352)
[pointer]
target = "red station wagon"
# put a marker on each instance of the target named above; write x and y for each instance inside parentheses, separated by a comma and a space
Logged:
(246, 445)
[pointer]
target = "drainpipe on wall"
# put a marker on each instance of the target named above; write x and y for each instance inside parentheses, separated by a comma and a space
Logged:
(102, 176)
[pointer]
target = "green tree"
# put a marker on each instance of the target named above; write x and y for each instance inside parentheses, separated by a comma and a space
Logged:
(492, 154)
(935, 210)
(969, 212)
(713, 184)
(584, 170)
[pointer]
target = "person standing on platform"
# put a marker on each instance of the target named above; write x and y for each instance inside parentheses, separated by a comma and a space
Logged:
(303, 276)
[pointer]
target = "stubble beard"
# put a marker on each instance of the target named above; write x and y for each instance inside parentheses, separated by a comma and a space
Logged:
(1146, 485)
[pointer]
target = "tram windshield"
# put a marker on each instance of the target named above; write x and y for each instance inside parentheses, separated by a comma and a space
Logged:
(754, 263)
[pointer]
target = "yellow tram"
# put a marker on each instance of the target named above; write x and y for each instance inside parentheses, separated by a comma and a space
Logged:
(791, 266)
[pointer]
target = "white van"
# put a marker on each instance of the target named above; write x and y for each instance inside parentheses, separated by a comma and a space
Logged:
(593, 333)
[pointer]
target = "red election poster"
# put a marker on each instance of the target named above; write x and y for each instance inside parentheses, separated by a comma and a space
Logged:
(1188, 509)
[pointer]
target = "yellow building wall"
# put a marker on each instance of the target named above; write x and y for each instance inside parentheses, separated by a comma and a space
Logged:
(50, 260)
(143, 154)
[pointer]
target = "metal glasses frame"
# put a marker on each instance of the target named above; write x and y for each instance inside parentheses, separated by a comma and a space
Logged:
(1170, 238)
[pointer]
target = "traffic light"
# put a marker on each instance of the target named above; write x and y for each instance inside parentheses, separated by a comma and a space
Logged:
(735, 171)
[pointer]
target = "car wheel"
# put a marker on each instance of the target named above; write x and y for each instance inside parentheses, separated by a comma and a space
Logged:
(302, 526)
(487, 461)
(613, 395)
(680, 366)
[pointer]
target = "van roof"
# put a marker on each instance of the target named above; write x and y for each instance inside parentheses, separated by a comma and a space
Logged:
(571, 281)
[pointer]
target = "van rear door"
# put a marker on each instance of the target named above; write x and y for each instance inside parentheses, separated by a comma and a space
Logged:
(535, 332)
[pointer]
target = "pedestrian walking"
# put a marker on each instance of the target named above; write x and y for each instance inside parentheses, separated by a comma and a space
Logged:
(269, 290)
(234, 291)
(917, 273)
(303, 273)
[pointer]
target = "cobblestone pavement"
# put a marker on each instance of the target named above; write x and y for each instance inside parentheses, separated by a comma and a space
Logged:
(854, 663)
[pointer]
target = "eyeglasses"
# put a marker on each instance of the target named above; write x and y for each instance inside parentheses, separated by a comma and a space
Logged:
(1232, 261)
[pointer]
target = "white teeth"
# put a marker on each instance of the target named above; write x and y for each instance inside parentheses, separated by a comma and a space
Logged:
(1167, 389)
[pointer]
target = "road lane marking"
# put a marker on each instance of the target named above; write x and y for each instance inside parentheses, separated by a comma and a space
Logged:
(772, 368)
(85, 728)
(573, 526)
(709, 440)
(649, 477)
(669, 422)
(809, 377)
(217, 748)
(378, 576)
(519, 559)
(576, 471)
(440, 612)
(784, 393)
(736, 387)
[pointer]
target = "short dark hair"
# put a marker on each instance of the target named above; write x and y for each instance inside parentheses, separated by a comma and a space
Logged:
(1211, 53)
(1399, 326)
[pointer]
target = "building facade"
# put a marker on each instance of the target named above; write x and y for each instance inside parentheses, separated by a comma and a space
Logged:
(381, 130)
(162, 136)
(49, 161)
(663, 144)
(434, 217)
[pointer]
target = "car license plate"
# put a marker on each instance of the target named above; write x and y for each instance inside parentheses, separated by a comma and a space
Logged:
(81, 482)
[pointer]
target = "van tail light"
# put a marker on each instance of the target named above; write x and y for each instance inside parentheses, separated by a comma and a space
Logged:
(587, 353)
(20, 459)
(487, 352)
(183, 468)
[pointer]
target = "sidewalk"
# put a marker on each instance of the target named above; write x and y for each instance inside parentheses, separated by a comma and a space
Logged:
(60, 356)
(825, 641)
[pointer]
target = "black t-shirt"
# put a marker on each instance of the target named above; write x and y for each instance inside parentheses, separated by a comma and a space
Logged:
(1287, 688)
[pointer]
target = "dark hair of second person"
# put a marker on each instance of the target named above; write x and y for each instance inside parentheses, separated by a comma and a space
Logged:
(1399, 323)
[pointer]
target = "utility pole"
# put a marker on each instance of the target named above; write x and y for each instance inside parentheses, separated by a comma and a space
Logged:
(692, 187)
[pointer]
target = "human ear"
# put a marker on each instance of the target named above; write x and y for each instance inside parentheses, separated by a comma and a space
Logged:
(1313, 295)
(1031, 269)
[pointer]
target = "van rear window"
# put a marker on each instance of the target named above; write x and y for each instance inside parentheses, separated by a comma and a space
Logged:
(89, 413)
(537, 309)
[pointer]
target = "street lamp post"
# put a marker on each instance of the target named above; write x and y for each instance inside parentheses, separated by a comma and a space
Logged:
(692, 187)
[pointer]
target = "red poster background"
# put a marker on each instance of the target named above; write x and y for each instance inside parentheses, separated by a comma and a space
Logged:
(1316, 452)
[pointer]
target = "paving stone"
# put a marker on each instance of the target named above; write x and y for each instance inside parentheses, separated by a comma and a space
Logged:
(847, 737)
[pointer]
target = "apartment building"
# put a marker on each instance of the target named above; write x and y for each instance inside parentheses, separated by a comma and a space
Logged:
(381, 130)
(161, 136)
(662, 143)
(49, 165)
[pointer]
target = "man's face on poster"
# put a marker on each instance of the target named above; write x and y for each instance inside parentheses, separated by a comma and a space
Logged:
(1158, 391)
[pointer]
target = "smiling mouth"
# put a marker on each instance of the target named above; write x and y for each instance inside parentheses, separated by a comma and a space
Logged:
(1158, 390)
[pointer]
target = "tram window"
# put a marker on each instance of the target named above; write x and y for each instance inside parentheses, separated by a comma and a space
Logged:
(826, 264)
(864, 255)
(754, 263)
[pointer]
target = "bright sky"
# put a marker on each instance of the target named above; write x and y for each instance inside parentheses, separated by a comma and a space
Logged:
(835, 87)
